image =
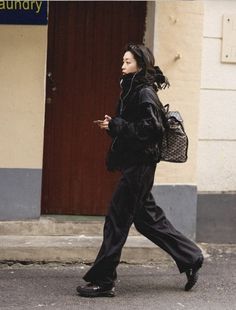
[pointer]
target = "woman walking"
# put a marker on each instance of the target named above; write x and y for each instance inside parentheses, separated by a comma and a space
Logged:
(136, 133)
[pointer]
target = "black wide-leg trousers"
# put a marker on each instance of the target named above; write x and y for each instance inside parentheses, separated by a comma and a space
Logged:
(133, 202)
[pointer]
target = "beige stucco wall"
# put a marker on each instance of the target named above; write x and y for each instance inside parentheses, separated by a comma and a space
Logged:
(177, 49)
(217, 126)
(22, 89)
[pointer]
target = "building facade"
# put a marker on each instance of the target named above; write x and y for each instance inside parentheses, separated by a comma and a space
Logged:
(186, 38)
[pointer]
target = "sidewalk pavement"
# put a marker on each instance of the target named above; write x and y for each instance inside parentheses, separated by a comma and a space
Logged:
(156, 286)
(50, 240)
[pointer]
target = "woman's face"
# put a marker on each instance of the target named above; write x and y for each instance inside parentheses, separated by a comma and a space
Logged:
(129, 64)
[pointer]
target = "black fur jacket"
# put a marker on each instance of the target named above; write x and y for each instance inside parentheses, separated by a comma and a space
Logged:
(137, 128)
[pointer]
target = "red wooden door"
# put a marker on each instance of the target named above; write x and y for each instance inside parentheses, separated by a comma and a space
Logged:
(85, 43)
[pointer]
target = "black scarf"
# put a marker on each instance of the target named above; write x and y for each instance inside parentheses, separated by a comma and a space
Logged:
(154, 78)
(131, 81)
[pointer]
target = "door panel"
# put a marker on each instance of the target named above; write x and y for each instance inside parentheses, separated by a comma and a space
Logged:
(85, 44)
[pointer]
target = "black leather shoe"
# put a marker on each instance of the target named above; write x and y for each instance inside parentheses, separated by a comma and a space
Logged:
(192, 274)
(95, 290)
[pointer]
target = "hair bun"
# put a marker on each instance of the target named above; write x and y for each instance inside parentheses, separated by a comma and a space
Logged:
(160, 79)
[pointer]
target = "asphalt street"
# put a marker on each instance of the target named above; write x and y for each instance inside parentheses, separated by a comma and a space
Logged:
(156, 286)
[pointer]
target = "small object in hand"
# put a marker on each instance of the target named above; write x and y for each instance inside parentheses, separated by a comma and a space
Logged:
(98, 121)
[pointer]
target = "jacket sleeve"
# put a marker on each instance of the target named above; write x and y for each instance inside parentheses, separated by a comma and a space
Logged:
(147, 129)
(110, 133)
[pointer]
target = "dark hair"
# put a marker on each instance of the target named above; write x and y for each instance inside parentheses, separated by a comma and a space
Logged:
(146, 61)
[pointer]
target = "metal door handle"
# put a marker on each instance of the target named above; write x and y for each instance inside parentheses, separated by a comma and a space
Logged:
(52, 82)
(48, 100)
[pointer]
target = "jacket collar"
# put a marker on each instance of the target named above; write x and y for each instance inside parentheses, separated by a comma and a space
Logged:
(131, 81)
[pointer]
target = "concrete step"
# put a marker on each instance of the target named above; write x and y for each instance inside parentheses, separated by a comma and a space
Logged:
(51, 239)
(56, 226)
(79, 249)
(83, 249)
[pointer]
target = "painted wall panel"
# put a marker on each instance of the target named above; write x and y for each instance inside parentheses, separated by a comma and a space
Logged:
(217, 126)
(22, 88)
(217, 115)
(216, 166)
(214, 10)
(228, 54)
(215, 74)
(178, 30)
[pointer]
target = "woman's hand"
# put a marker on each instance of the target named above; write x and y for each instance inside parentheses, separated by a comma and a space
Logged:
(104, 124)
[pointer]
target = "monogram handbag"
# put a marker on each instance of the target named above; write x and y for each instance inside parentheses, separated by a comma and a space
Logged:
(174, 146)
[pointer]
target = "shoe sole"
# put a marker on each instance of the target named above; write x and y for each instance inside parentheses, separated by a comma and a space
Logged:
(98, 294)
(191, 284)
